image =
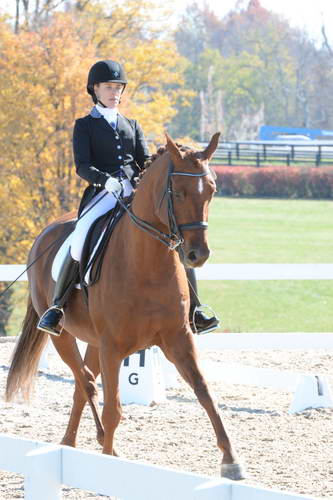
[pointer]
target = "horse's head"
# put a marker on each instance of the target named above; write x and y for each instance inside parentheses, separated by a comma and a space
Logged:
(190, 188)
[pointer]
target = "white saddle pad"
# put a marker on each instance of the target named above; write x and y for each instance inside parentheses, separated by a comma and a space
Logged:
(63, 251)
(60, 257)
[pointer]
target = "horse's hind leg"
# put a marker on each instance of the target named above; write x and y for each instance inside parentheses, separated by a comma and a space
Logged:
(182, 352)
(85, 374)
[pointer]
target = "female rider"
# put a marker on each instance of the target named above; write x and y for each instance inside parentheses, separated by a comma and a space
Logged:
(109, 151)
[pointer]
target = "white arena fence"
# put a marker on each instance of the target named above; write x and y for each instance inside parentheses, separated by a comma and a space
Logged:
(309, 390)
(47, 467)
(228, 272)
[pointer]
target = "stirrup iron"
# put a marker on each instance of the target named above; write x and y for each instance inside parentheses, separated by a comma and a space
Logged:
(49, 330)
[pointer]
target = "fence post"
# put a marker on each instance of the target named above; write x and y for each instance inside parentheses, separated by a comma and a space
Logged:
(229, 157)
(44, 474)
(318, 157)
(258, 159)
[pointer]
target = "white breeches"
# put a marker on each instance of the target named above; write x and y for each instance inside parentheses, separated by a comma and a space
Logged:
(83, 225)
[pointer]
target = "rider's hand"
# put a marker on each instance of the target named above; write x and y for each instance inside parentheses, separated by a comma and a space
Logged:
(113, 185)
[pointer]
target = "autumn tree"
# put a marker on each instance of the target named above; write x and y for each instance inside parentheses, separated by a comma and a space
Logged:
(43, 73)
(271, 73)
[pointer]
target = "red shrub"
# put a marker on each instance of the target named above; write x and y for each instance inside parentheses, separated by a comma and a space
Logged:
(285, 182)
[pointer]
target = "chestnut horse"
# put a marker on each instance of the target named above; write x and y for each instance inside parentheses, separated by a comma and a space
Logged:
(140, 300)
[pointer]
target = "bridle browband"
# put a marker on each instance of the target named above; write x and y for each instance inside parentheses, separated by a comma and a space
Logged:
(175, 238)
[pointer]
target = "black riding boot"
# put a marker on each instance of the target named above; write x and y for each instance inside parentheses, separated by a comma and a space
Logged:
(63, 287)
(202, 324)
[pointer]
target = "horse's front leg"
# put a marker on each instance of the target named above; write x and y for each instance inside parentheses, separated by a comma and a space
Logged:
(182, 352)
(110, 362)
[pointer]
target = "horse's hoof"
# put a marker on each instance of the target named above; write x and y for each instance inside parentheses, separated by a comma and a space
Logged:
(233, 471)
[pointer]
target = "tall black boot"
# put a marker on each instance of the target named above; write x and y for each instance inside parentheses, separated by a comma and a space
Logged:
(200, 323)
(65, 283)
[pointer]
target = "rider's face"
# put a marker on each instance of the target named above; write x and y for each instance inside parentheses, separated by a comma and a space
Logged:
(109, 93)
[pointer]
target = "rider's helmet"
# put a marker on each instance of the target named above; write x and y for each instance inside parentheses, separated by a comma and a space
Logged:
(105, 71)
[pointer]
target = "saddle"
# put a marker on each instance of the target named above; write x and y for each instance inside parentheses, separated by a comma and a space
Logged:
(94, 247)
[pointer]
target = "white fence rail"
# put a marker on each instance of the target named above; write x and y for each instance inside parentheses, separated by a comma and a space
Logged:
(228, 272)
(47, 467)
(309, 390)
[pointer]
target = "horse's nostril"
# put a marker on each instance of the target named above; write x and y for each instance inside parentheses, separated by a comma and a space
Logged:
(192, 256)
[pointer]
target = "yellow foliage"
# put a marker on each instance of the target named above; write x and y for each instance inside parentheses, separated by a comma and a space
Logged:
(43, 77)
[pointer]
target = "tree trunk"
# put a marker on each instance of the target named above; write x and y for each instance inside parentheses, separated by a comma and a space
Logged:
(17, 17)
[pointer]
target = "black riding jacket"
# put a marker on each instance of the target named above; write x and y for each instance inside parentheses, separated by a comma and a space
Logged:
(100, 151)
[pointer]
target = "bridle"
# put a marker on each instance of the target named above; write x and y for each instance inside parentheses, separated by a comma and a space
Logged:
(175, 228)
(174, 239)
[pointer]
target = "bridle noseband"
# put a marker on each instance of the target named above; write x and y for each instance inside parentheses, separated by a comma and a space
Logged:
(175, 238)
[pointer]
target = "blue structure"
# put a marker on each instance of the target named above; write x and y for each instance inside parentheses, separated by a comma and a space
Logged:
(269, 133)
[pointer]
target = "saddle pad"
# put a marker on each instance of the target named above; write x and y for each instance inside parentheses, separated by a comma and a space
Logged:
(95, 238)
(63, 251)
(60, 256)
(92, 243)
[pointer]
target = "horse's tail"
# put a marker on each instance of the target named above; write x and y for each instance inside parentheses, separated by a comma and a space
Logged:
(26, 356)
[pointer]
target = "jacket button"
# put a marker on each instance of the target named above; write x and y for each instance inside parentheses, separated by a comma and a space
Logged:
(118, 147)
(119, 157)
(117, 137)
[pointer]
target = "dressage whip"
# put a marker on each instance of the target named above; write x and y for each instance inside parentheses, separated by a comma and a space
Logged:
(137, 221)
(50, 246)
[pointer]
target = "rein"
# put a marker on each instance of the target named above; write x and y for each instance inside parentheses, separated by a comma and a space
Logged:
(174, 239)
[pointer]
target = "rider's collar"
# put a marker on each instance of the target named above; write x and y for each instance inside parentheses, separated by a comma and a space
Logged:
(108, 114)
(95, 113)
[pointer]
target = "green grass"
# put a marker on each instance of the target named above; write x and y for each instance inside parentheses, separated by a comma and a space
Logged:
(261, 231)
(270, 230)
(271, 306)
(20, 301)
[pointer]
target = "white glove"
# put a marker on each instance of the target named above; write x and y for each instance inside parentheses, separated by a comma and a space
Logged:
(113, 185)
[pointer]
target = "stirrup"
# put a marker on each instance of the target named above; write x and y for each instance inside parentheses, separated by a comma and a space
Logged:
(208, 329)
(49, 330)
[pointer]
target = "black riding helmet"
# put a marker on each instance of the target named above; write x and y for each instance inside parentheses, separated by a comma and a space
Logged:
(105, 71)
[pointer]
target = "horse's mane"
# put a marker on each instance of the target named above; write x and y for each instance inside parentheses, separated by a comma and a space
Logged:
(191, 154)
(162, 149)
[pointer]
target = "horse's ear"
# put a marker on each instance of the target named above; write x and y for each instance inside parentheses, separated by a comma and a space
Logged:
(173, 148)
(210, 149)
